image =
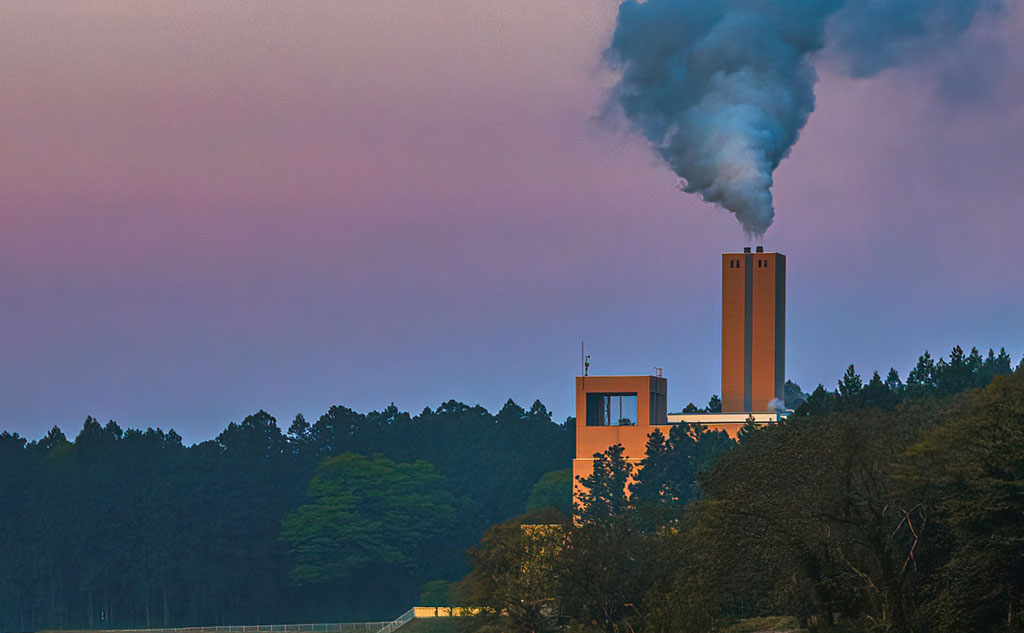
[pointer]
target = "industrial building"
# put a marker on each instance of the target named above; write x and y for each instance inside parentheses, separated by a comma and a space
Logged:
(626, 409)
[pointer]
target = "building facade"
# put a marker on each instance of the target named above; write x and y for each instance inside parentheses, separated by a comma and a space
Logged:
(625, 410)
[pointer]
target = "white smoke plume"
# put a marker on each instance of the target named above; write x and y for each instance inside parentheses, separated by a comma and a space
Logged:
(722, 88)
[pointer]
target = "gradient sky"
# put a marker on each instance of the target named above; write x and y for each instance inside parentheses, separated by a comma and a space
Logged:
(211, 208)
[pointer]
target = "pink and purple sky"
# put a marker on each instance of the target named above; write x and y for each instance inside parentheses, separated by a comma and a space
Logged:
(212, 208)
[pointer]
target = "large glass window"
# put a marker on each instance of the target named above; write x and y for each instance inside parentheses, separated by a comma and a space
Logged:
(611, 409)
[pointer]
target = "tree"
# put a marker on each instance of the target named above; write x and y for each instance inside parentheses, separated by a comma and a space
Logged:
(615, 566)
(994, 365)
(749, 428)
(877, 394)
(1002, 364)
(336, 431)
(363, 512)
(893, 382)
(922, 377)
(554, 489)
(258, 436)
(437, 593)
(514, 571)
(129, 528)
(299, 432)
(975, 363)
(794, 395)
(820, 402)
(667, 479)
(850, 386)
(956, 375)
(604, 491)
(808, 518)
(607, 568)
(511, 412)
(975, 464)
(715, 404)
(539, 413)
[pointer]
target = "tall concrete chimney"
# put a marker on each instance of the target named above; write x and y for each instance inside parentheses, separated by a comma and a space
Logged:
(753, 331)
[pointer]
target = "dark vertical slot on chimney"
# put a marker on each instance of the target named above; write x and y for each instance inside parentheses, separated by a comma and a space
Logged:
(748, 328)
(780, 327)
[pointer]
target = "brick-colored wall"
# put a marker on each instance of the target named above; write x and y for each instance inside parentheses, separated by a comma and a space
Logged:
(753, 313)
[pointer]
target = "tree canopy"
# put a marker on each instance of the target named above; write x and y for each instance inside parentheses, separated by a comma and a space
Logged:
(363, 513)
(880, 506)
(130, 528)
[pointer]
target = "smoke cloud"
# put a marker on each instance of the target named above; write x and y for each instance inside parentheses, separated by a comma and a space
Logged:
(722, 88)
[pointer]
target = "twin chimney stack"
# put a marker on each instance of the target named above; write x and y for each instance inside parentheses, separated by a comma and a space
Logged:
(753, 331)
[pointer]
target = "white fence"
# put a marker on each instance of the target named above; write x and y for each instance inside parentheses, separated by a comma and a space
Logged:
(335, 627)
(402, 619)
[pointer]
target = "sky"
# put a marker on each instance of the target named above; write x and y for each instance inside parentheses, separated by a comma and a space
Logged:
(208, 209)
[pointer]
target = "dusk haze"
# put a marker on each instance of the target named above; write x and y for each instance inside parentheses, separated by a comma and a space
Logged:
(546, 316)
(214, 207)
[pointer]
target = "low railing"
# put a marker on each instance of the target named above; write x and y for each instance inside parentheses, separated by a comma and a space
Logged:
(399, 621)
(333, 627)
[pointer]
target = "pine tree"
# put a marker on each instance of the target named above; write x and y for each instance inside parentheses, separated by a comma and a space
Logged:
(893, 382)
(749, 428)
(604, 492)
(921, 378)
(851, 385)
(715, 404)
(877, 393)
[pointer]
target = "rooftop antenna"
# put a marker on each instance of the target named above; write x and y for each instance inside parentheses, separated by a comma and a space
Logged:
(584, 360)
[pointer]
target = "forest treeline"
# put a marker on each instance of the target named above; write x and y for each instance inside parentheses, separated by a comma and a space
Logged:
(881, 505)
(342, 519)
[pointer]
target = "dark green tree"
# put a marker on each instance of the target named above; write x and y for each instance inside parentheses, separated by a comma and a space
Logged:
(605, 568)
(362, 512)
(820, 402)
(603, 493)
(794, 395)
(515, 572)
(715, 404)
(877, 393)
(850, 385)
(975, 463)
(667, 479)
(554, 489)
(749, 428)
(893, 382)
(922, 378)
